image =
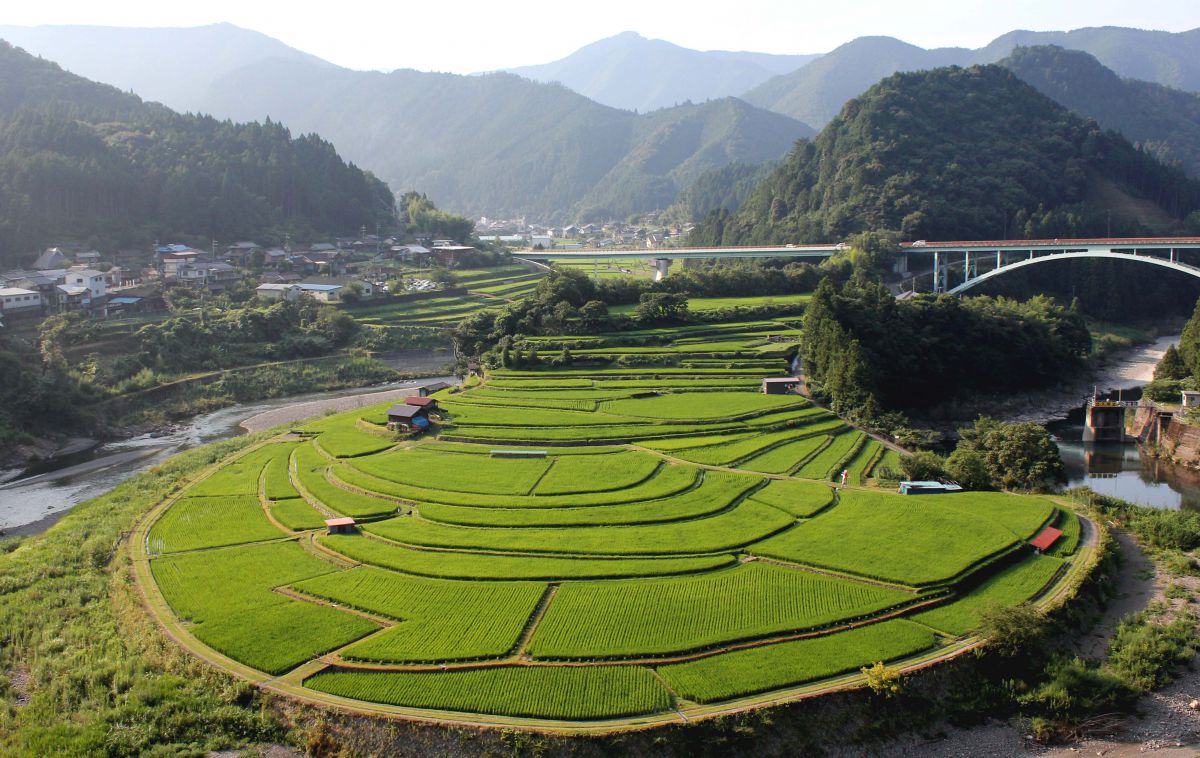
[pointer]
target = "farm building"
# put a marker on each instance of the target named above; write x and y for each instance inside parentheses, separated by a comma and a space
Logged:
(343, 525)
(428, 389)
(780, 385)
(1046, 539)
(928, 488)
(406, 417)
(428, 403)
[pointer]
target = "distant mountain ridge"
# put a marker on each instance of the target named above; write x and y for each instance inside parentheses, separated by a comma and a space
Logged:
(172, 66)
(1163, 120)
(815, 93)
(502, 145)
(634, 73)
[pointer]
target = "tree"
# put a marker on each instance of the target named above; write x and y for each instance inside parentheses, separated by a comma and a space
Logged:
(594, 314)
(1171, 366)
(443, 277)
(1011, 629)
(352, 293)
(883, 679)
(969, 468)
(922, 466)
(659, 307)
(1018, 455)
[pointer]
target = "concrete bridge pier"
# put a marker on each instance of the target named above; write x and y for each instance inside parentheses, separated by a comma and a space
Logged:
(661, 265)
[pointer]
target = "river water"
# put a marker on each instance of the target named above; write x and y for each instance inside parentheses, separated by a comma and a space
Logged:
(39, 496)
(1120, 470)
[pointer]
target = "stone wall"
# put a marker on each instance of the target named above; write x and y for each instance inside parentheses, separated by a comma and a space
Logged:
(1165, 435)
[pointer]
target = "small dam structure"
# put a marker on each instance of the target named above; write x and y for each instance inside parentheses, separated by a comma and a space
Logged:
(1105, 420)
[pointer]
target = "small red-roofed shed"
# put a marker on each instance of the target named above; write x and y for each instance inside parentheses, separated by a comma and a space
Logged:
(340, 525)
(1046, 538)
(422, 402)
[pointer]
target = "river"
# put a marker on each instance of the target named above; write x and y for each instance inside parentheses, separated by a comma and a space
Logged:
(33, 501)
(1120, 470)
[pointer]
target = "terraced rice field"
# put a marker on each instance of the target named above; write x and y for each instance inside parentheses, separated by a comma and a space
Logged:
(674, 540)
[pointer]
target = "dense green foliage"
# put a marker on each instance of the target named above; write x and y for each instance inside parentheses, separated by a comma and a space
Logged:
(83, 160)
(1165, 121)
(952, 154)
(726, 187)
(867, 351)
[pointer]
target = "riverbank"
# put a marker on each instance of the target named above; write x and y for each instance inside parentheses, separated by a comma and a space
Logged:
(33, 504)
(1121, 370)
(301, 411)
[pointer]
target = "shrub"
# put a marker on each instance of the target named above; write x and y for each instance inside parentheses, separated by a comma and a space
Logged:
(922, 465)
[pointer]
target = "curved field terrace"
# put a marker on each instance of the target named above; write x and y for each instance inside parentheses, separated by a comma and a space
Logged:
(654, 550)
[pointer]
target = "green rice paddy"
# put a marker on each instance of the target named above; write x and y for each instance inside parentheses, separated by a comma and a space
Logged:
(682, 543)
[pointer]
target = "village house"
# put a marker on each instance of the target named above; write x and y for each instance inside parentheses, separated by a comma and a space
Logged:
(280, 277)
(51, 258)
(18, 300)
(330, 289)
(407, 418)
(430, 404)
(205, 275)
(90, 278)
(287, 292)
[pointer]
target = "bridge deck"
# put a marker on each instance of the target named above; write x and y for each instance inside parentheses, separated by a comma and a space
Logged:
(745, 251)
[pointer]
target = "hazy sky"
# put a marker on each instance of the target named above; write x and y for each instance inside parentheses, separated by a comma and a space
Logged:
(472, 35)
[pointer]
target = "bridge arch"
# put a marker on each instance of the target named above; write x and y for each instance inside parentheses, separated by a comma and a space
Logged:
(1165, 263)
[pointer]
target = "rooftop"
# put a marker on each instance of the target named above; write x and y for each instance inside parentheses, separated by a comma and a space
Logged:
(344, 521)
(405, 410)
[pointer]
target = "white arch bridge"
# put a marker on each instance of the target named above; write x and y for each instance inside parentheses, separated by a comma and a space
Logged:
(959, 266)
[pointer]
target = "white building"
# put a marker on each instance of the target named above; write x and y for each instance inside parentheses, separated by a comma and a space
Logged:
(288, 292)
(90, 278)
(545, 240)
(18, 299)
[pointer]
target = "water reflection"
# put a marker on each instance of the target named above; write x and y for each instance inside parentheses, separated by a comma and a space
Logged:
(1120, 470)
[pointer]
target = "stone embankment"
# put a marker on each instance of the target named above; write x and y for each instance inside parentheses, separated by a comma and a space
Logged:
(1163, 433)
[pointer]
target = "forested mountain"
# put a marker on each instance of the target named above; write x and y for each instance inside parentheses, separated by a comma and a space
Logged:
(1165, 121)
(502, 145)
(631, 72)
(81, 160)
(959, 154)
(174, 66)
(815, 94)
(721, 188)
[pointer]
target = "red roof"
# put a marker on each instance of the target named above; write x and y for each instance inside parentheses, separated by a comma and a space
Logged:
(420, 401)
(345, 521)
(1048, 537)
